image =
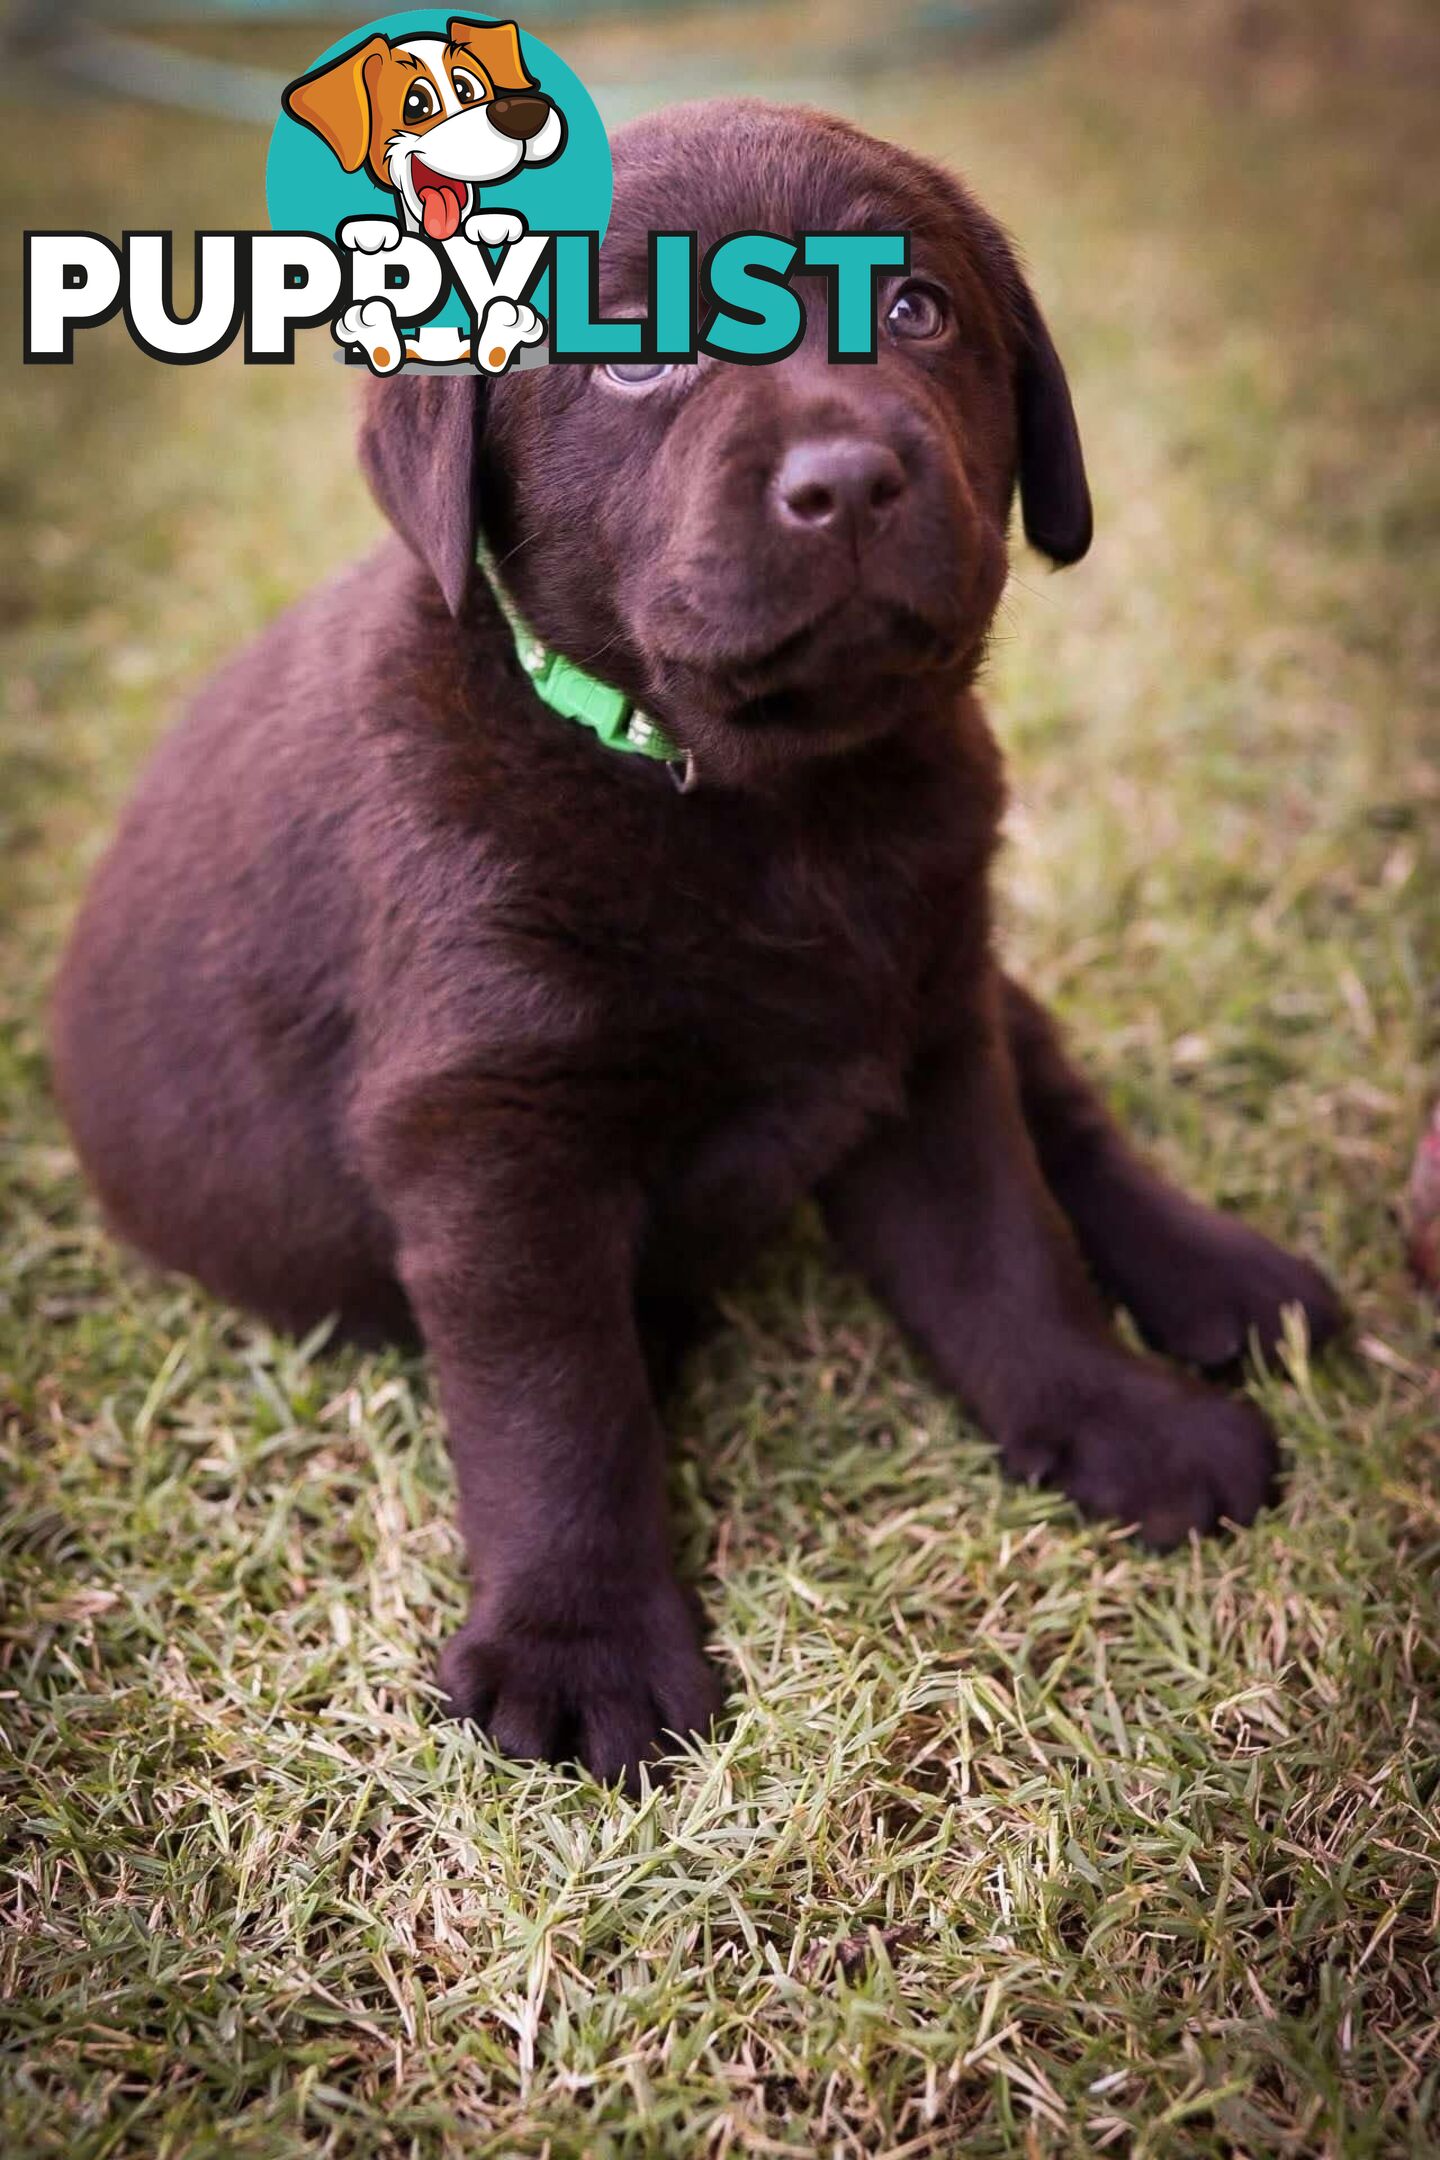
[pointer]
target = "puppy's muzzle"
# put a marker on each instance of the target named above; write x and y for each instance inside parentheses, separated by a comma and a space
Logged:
(519, 117)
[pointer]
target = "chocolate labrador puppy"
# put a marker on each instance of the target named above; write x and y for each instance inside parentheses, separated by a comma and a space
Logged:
(404, 998)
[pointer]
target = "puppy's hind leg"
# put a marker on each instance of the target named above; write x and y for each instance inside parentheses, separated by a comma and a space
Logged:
(1200, 1285)
(944, 1209)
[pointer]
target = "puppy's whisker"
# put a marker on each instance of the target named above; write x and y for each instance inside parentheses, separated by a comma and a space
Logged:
(1038, 591)
(511, 553)
(588, 659)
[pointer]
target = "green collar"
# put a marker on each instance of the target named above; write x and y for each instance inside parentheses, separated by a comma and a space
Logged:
(567, 689)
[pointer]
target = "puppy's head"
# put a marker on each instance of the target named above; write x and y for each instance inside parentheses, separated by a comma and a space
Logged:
(432, 118)
(778, 561)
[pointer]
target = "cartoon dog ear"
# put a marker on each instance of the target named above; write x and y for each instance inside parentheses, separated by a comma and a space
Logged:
(496, 46)
(418, 438)
(1054, 493)
(335, 101)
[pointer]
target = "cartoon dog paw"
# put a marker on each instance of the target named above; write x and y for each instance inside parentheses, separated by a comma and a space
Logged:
(494, 228)
(371, 325)
(369, 235)
(505, 326)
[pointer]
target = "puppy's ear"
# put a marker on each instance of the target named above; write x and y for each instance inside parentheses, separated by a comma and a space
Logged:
(497, 48)
(1054, 493)
(335, 101)
(418, 436)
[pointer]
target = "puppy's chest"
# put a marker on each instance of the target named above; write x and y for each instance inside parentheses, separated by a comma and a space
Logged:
(784, 1023)
(746, 985)
(801, 956)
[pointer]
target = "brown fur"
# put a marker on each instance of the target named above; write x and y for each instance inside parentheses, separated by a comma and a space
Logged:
(400, 997)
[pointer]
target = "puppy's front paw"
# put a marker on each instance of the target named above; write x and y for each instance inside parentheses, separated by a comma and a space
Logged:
(1150, 1448)
(369, 235)
(494, 228)
(1223, 1291)
(606, 1695)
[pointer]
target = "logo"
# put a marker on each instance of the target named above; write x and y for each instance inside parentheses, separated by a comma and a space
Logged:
(430, 145)
(433, 119)
(438, 189)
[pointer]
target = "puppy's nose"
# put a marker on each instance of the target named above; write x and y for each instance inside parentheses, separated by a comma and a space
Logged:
(519, 117)
(846, 479)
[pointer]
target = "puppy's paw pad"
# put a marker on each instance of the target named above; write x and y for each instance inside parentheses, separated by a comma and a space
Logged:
(369, 235)
(494, 228)
(505, 327)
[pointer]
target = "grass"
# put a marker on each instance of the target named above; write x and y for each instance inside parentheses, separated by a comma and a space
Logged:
(1017, 1839)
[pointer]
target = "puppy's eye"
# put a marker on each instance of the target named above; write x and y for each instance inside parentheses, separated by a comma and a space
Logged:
(917, 311)
(467, 87)
(419, 103)
(637, 374)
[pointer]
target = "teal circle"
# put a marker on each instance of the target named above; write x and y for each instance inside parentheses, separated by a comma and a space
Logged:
(307, 189)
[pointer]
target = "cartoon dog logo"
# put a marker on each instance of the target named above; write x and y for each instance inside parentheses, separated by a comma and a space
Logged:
(434, 119)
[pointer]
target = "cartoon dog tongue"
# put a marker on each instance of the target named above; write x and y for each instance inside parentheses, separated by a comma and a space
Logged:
(441, 201)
